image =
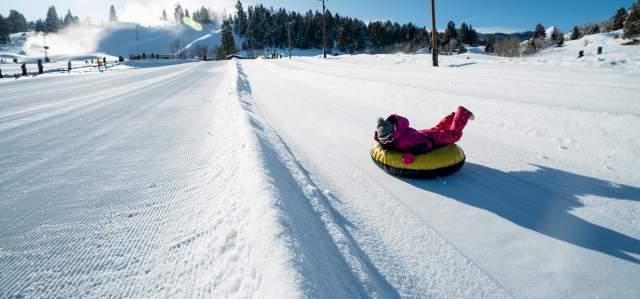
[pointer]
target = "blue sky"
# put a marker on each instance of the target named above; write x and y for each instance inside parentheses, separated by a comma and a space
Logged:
(485, 15)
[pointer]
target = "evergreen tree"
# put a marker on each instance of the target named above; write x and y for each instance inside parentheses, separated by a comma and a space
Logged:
(632, 22)
(202, 16)
(227, 42)
(539, 32)
(69, 19)
(617, 21)
(575, 34)
(164, 16)
(345, 38)
(490, 46)
(240, 20)
(112, 14)
(464, 33)
(557, 37)
(377, 33)
(52, 22)
(178, 14)
(40, 26)
(186, 13)
(4, 30)
(472, 38)
(16, 22)
(450, 33)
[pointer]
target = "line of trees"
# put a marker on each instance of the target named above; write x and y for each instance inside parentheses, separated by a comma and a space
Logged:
(201, 15)
(14, 23)
(628, 20)
(262, 27)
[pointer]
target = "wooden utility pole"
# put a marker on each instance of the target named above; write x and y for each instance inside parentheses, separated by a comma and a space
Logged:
(324, 32)
(289, 35)
(434, 35)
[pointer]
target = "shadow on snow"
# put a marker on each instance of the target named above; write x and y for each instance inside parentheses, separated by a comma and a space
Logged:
(541, 200)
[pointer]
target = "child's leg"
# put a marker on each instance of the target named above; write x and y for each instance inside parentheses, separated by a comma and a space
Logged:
(445, 123)
(460, 119)
(452, 134)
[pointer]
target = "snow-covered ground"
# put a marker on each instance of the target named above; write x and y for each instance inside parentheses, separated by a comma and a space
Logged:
(252, 178)
(82, 43)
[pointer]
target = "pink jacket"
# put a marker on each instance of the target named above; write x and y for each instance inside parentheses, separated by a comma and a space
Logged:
(407, 139)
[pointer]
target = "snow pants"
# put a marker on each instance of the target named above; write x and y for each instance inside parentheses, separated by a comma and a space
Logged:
(449, 129)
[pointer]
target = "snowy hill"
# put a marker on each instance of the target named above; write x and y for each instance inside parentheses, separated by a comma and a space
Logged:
(113, 39)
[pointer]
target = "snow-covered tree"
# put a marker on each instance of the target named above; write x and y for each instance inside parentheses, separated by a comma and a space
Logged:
(575, 33)
(164, 16)
(112, 14)
(178, 14)
(617, 21)
(557, 37)
(69, 19)
(539, 32)
(52, 23)
(632, 22)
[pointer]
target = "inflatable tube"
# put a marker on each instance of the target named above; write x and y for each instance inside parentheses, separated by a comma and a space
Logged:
(436, 163)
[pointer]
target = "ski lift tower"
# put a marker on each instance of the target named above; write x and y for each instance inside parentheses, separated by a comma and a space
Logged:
(44, 38)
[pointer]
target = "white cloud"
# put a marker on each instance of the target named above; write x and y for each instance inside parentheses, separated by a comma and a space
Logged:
(497, 29)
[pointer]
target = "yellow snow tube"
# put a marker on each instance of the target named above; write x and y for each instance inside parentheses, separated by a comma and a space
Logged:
(436, 163)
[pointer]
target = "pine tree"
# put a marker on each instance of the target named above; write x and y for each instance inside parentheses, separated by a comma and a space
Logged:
(164, 16)
(345, 39)
(632, 22)
(450, 33)
(4, 31)
(472, 37)
(227, 42)
(464, 33)
(490, 46)
(112, 14)
(240, 20)
(186, 13)
(69, 19)
(617, 21)
(16, 22)
(40, 26)
(52, 22)
(539, 32)
(178, 14)
(575, 34)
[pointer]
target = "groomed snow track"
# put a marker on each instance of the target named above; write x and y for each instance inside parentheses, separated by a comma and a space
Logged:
(252, 179)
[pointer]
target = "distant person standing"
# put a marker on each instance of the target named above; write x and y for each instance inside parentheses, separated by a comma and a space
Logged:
(23, 67)
(40, 67)
(69, 66)
(104, 61)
